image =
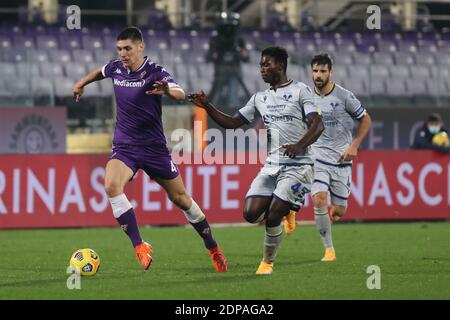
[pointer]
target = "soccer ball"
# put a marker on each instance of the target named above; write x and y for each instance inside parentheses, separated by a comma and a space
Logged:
(441, 139)
(86, 261)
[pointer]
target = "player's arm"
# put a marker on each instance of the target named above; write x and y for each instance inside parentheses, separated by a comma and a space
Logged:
(163, 88)
(364, 125)
(224, 120)
(78, 87)
(315, 129)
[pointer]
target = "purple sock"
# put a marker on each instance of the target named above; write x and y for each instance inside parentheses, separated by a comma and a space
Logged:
(204, 230)
(128, 224)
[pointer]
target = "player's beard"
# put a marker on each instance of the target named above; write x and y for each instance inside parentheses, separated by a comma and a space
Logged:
(322, 84)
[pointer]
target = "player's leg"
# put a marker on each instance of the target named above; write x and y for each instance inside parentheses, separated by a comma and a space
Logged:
(177, 194)
(319, 192)
(291, 186)
(256, 207)
(337, 211)
(117, 174)
(340, 188)
(258, 198)
(274, 234)
(323, 224)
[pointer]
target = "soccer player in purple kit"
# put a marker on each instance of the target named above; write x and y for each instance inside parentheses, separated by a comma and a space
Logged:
(139, 141)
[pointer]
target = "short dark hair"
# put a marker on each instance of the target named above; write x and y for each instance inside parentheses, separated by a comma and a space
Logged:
(132, 33)
(434, 117)
(279, 54)
(322, 59)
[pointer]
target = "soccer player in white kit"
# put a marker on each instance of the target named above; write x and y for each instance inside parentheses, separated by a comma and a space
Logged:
(335, 149)
(288, 112)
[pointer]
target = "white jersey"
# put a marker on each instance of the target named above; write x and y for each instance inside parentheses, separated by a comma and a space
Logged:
(339, 109)
(284, 114)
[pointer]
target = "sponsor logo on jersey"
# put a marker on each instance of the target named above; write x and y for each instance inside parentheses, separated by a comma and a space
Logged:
(268, 118)
(129, 84)
(118, 71)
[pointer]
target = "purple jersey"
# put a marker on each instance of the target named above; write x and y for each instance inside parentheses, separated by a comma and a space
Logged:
(138, 119)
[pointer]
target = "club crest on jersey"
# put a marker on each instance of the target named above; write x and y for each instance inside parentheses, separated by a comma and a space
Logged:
(265, 98)
(287, 96)
(143, 74)
(334, 104)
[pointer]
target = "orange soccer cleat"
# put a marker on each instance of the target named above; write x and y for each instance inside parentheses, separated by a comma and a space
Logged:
(264, 268)
(289, 222)
(143, 254)
(219, 260)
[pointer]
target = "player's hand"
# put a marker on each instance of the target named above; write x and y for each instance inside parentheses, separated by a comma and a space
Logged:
(77, 92)
(292, 150)
(161, 87)
(200, 99)
(349, 154)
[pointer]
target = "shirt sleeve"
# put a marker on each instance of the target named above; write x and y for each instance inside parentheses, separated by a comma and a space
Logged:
(248, 112)
(161, 74)
(354, 107)
(307, 101)
(107, 69)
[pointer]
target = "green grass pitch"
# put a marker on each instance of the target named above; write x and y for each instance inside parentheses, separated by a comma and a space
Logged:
(414, 259)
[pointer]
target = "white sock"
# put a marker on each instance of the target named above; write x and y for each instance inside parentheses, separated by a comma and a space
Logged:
(194, 214)
(272, 241)
(323, 225)
(120, 205)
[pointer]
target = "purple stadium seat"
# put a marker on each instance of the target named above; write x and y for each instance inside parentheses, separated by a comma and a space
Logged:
(397, 88)
(25, 69)
(417, 87)
(425, 58)
(20, 87)
(39, 56)
(376, 87)
(41, 86)
(47, 42)
(75, 70)
(386, 45)
(407, 46)
(91, 42)
(54, 69)
(62, 56)
(343, 59)
(399, 71)
(379, 70)
(8, 70)
(70, 42)
(362, 58)
(404, 58)
(24, 42)
(83, 56)
(358, 71)
(359, 88)
(419, 71)
(383, 58)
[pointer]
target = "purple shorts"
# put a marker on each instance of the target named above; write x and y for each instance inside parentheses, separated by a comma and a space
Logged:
(156, 162)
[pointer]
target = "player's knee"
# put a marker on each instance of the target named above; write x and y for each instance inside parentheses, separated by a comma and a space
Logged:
(320, 200)
(181, 200)
(113, 189)
(251, 216)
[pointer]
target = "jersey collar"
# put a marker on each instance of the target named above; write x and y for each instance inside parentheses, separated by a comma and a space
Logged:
(332, 89)
(142, 65)
(283, 85)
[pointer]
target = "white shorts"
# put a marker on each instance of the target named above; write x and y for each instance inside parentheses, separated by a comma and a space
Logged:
(333, 178)
(289, 184)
